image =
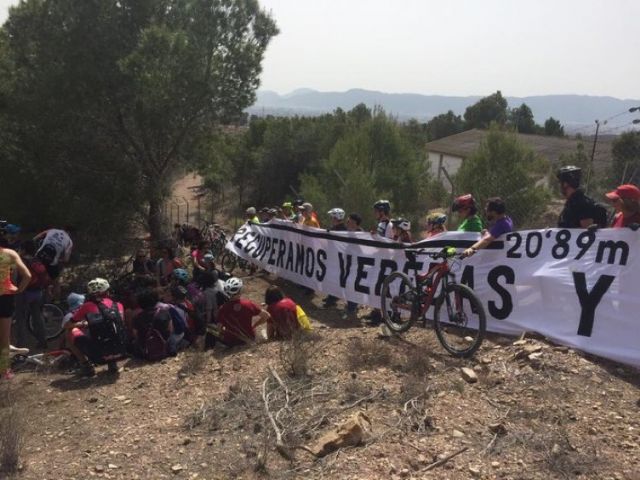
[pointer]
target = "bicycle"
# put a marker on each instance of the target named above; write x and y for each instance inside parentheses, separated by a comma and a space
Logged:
(47, 360)
(229, 261)
(52, 316)
(404, 301)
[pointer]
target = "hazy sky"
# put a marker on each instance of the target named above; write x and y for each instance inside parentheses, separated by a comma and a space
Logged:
(454, 47)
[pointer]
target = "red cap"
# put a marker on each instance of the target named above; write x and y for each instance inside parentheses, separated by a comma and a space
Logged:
(625, 191)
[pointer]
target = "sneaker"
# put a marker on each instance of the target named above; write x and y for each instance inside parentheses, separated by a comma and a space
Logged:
(7, 375)
(112, 367)
(18, 351)
(87, 370)
(329, 302)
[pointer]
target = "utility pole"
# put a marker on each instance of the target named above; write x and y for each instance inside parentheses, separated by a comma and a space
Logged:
(593, 153)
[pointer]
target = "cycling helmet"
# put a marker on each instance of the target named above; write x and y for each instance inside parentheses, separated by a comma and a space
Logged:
(463, 201)
(298, 202)
(336, 213)
(383, 205)
(287, 205)
(401, 223)
(233, 286)
(47, 254)
(181, 275)
(570, 174)
(12, 229)
(97, 285)
(208, 258)
(436, 218)
(74, 300)
(250, 211)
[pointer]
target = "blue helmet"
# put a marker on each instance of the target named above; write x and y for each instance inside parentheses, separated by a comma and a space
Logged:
(74, 300)
(181, 275)
(12, 229)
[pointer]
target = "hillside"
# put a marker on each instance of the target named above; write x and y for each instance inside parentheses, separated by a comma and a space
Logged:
(537, 411)
(574, 111)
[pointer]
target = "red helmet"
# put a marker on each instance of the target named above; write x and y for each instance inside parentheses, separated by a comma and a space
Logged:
(463, 201)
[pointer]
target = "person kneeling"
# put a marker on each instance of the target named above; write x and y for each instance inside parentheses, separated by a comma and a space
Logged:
(236, 317)
(96, 330)
(153, 328)
(284, 315)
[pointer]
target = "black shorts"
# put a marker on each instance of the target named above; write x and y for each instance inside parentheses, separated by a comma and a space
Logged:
(7, 305)
(53, 271)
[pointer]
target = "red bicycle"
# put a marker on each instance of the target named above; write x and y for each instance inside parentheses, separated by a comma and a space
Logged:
(460, 326)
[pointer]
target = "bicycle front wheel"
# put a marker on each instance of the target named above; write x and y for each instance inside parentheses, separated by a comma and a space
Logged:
(459, 320)
(228, 262)
(52, 317)
(398, 302)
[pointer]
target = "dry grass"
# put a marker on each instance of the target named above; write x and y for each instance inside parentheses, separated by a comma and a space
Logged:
(296, 353)
(12, 426)
(193, 361)
(367, 354)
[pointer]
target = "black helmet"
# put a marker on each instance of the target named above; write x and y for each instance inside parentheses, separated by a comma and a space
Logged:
(383, 205)
(47, 254)
(570, 174)
(298, 202)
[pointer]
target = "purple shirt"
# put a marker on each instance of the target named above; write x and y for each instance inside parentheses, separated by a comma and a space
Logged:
(503, 225)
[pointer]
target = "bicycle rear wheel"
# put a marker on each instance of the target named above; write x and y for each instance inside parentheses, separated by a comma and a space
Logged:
(461, 325)
(52, 317)
(228, 262)
(398, 302)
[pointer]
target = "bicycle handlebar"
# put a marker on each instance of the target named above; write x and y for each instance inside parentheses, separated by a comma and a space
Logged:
(444, 254)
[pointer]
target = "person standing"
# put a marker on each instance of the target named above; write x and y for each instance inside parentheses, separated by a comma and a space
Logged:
(382, 212)
(337, 225)
(500, 223)
(465, 206)
(309, 217)
(580, 211)
(55, 251)
(626, 202)
(9, 261)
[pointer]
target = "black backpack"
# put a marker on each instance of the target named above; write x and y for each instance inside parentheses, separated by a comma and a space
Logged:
(600, 213)
(107, 331)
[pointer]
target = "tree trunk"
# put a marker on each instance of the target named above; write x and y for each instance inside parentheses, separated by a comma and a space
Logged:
(155, 219)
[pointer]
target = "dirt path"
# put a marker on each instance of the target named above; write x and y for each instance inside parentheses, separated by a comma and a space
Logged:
(537, 411)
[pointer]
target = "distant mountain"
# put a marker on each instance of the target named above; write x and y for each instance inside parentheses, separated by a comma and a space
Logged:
(573, 111)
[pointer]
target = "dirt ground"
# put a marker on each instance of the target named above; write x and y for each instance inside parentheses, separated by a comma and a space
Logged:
(536, 411)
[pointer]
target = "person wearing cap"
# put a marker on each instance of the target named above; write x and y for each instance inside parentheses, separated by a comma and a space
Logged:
(250, 215)
(626, 202)
(287, 212)
(309, 217)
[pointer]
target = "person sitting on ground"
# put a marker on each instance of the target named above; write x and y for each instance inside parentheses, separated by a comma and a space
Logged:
(9, 261)
(382, 212)
(74, 302)
(236, 316)
(197, 257)
(401, 228)
(580, 211)
(208, 302)
(436, 224)
(193, 325)
(626, 202)
(283, 312)
(143, 266)
(250, 215)
(93, 311)
(153, 315)
(165, 266)
(55, 251)
(465, 206)
(309, 217)
(29, 302)
(500, 223)
(337, 225)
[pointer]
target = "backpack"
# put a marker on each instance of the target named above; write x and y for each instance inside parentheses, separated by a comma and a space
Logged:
(107, 331)
(155, 346)
(600, 214)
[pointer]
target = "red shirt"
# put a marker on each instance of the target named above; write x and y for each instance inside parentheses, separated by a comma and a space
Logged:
(284, 318)
(89, 307)
(235, 318)
(620, 221)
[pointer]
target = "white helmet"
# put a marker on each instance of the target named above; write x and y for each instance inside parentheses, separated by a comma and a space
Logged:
(233, 286)
(401, 223)
(250, 211)
(336, 213)
(97, 285)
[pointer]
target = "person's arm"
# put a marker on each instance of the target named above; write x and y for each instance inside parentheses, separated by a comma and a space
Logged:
(484, 242)
(263, 317)
(40, 235)
(23, 271)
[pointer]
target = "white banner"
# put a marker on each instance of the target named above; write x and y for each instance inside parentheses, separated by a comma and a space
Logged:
(576, 287)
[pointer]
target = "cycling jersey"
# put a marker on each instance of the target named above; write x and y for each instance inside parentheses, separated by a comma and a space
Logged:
(6, 263)
(471, 224)
(385, 229)
(61, 241)
(578, 207)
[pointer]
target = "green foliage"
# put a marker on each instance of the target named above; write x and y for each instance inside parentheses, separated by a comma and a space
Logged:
(504, 167)
(485, 111)
(444, 125)
(626, 160)
(553, 127)
(112, 99)
(522, 119)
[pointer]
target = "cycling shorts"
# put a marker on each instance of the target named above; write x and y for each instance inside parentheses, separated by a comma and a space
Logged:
(7, 305)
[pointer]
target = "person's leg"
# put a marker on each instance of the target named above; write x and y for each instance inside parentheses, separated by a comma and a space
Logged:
(330, 301)
(173, 342)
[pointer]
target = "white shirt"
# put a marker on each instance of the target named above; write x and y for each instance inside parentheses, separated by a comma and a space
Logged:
(61, 241)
